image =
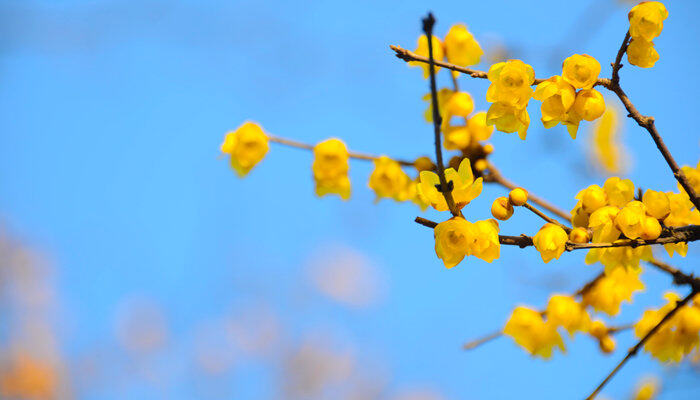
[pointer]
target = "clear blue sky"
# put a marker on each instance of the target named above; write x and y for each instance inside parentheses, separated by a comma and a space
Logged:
(111, 113)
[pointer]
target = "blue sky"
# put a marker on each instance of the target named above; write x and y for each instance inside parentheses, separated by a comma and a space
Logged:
(111, 113)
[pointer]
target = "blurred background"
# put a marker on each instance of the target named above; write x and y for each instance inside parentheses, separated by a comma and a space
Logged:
(135, 265)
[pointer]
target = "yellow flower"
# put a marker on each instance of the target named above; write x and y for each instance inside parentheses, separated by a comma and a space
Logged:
(647, 20)
(592, 198)
(642, 53)
(247, 146)
(611, 290)
(693, 176)
(626, 257)
(530, 331)
(444, 96)
(452, 240)
(478, 129)
(602, 222)
(677, 337)
(557, 97)
(388, 179)
(646, 390)
(422, 50)
(459, 104)
(579, 216)
(486, 245)
(412, 195)
(589, 104)
(461, 48)
(517, 197)
(656, 203)
(607, 150)
(679, 248)
(651, 228)
(682, 212)
(456, 137)
(330, 168)
(581, 71)
(465, 188)
(619, 191)
(508, 119)
(564, 311)
(579, 235)
(510, 83)
(550, 241)
(630, 220)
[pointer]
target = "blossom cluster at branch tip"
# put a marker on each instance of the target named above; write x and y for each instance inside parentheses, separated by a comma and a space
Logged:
(457, 238)
(678, 336)
(562, 104)
(246, 146)
(646, 23)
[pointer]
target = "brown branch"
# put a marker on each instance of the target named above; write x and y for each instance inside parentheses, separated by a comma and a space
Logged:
(646, 122)
(495, 176)
(445, 189)
(679, 277)
(633, 351)
(352, 154)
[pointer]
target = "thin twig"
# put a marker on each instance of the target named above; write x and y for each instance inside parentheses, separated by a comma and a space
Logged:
(445, 189)
(546, 218)
(679, 277)
(633, 351)
(352, 154)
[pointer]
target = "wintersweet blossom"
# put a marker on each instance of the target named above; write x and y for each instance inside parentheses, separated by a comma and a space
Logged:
(388, 180)
(581, 71)
(550, 241)
(461, 48)
(330, 168)
(465, 187)
(247, 146)
(611, 290)
(423, 50)
(529, 330)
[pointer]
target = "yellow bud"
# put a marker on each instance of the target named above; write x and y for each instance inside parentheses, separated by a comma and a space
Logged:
(642, 53)
(501, 209)
(488, 148)
(593, 198)
(598, 329)
(647, 20)
(481, 164)
(550, 241)
(423, 164)
(651, 228)
(579, 235)
(581, 71)
(589, 104)
(517, 196)
(607, 344)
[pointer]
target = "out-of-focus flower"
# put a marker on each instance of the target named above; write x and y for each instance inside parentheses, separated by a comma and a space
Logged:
(247, 146)
(330, 168)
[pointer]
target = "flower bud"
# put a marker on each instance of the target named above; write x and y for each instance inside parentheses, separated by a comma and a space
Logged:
(501, 209)
(488, 148)
(579, 235)
(607, 344)
(517, 196)
(589, 104)
(481, 164)
(651, 228)
(598, 329)
(593, 198)
(423, 164)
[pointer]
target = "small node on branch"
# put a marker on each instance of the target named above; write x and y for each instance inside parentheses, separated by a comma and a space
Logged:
(450, 186)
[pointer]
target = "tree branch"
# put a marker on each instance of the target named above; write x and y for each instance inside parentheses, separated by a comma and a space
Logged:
(445, 189)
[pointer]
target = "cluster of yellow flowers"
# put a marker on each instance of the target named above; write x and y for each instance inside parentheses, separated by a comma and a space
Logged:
(460, 48)
(678, 336)
(612, 213)
(537, 332)
(646, 23)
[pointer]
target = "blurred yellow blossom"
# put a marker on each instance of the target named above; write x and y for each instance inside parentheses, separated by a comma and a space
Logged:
(247, 146)
(330, 168)
(422, 50)
(607, 149)
(611, 290)
(389, 180)
(532, 332)
(461, 48)
(478, 129)
(566, 312)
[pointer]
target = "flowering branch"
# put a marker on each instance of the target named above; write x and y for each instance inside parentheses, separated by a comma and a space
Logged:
(445, 189)
(355, 155)
(646, 122)
(688, 233)
(633, 351)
